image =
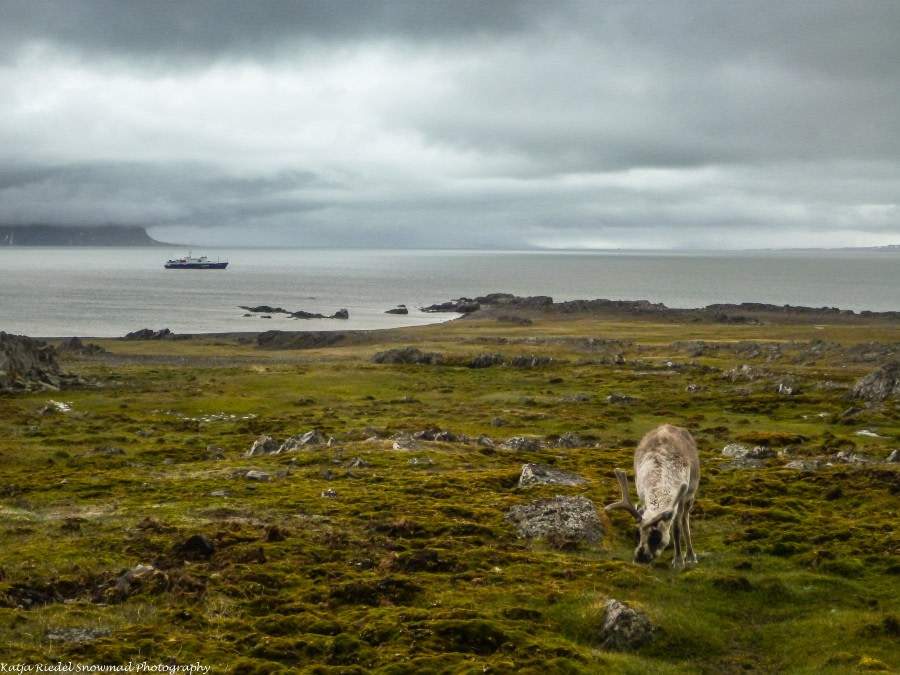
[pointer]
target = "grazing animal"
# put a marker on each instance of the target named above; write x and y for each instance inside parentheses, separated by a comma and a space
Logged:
(666, 475)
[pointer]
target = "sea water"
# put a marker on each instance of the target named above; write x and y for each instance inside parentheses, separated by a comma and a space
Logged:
(108, 292)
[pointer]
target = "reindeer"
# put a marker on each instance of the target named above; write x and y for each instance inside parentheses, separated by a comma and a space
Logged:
(667, 473)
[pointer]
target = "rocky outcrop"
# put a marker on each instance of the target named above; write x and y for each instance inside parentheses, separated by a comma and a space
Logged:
(76, 346)
(27, 364)
(560, 520)
(150, 334)
(399, 309)
(879, 385)
(407, 355)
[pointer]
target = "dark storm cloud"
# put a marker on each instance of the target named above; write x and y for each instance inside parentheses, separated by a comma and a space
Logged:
(435, 123)
(207, 29)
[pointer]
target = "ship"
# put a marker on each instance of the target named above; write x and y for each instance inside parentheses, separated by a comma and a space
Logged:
(189, 263)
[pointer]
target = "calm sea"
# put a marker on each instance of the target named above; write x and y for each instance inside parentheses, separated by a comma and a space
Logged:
(103, 292)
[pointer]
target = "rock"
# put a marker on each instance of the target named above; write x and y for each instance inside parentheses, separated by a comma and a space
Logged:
(569, 440)
(399, 309)
(562, 518)
(485, 441)
(418, 461)
(746, 458)
(341, 314)
(302, 441)
(264, 445)
(27, 364)
(615, 398)
(541, 474)
(356, 463)
(123, 582)
(264, 309)
(739, 451)
(624, 628)
(330, 493)
(522, 443)
(149, 334)
(880, 384)
(894, 457)
(462, 306)
(486, 361)
(530, 361)
(76, 346)
(440, 436)
(788, 389)
(498, 422)
(405, 441)
(76, 635)
(803, 465)
(260, 476)
(576, 398)
(407, 355)
(851, 457)
(744, 373)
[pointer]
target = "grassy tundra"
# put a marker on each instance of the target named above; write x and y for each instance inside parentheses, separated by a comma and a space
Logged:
(131, 531)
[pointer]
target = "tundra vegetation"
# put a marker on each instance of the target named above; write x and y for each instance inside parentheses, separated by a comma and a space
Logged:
(136, 527)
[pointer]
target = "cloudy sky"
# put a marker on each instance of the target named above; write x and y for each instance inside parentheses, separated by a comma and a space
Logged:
(456, 123)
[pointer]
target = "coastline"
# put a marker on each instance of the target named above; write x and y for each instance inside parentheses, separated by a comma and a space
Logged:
(508, 308)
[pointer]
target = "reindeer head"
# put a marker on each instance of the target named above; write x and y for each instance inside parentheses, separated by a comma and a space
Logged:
(653, 535)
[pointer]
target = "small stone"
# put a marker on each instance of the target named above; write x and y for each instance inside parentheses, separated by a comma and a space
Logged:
(624, 628)
(260, 476)
(330, 493)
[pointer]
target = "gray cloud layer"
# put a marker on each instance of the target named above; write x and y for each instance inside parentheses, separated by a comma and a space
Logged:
(661, 124)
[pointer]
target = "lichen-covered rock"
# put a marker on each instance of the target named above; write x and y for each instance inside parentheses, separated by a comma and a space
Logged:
(880, 384)
(522, 443)
(541, 474)
(624, 628)
(566, 518)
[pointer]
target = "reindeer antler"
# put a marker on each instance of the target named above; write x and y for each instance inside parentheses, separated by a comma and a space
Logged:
(625, 504)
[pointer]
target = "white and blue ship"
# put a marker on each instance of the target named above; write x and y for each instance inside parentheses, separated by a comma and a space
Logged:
(189, 263)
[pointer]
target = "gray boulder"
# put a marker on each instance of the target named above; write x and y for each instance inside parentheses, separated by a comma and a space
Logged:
(264, 445)
(300, 441)
(624, 628)
(565, 518)
(541, 474)
(880, 384)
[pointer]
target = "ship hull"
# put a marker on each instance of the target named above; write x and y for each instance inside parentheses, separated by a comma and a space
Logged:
(197, 266)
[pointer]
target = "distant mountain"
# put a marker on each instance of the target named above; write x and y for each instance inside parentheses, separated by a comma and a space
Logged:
(68, 235)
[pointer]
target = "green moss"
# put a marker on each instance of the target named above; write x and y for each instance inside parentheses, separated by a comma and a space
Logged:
(411, 568)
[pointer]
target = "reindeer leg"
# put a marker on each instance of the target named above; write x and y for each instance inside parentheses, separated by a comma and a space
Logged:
(678, 561)
(691, 556)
